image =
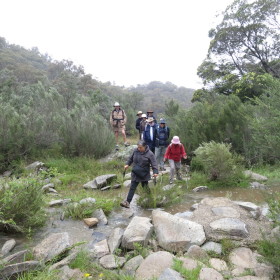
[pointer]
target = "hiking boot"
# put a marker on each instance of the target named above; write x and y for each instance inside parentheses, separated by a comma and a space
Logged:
(162, 169)
(126, 144)
(117, 147)
(179, 178)
(170, 181)
(125, 204)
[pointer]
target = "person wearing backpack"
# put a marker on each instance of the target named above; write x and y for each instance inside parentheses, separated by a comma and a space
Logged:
(142, 160)
(174, 153)
(138, 122)
(118, 120)
(161, 135)
(149, 134)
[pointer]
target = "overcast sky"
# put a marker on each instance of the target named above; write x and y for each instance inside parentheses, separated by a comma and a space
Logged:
(127, 42)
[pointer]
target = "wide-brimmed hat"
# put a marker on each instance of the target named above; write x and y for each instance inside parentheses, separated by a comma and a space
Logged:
(139, 112)
(150, 119)
(175, 140)
(116, 104)
(144, 116)
(162, 121)
(150, 111)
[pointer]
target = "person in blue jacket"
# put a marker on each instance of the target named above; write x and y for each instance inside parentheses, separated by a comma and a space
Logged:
(149, 134)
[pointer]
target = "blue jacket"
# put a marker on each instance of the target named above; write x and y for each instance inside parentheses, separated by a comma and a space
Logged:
(147, 135)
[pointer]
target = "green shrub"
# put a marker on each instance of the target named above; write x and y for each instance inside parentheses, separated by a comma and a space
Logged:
(218, 162)
(21, 205)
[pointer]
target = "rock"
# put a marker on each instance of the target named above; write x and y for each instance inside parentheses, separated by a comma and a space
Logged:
(127, 176)
(12, 270)
(90, 185)
(46, 187)
(15, 258)
(263, 270)
(170, 274)
(59, 202)
(197, 253)
(116, 186)
(90, 222)
(66, 273)
(207, 273)
(230, 227)
(8, 247)
(184, 215)
(88, 200)
(224, 211)
(99, 213)
(154, 265)
(194, 207)
(51, 190)
(218, 264)
(100, 248)
(127, 184)
(247, 205)
(105, 188)
(200, 189)
(255, 176)
(258, 186)
(35, 165)
(248, 277)
(115, 239)
(112, 261)
(131, 266)
(168, 187)
(65, 261)
(243, 257)
(188, 263)
(52, 246)
(139, 230)
(175, 234)
(7, 173)
(102, 180)
(212, 246)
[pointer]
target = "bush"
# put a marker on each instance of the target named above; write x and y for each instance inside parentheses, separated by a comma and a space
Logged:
(21, 205)
(218, 162)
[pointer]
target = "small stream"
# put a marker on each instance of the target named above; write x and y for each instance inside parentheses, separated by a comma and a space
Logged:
(79, 232)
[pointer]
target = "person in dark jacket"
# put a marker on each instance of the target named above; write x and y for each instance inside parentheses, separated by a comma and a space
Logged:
(161, 135)
(142, 158)
(150, 114)
(149, 134)
(138, 121)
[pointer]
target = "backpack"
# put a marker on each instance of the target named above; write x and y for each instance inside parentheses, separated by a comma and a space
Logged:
(162, 136)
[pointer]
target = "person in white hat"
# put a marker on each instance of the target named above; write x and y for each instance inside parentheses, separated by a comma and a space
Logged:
(118, 120)
(149, 134)
(174, 153)
(138, 121)
(143, 125)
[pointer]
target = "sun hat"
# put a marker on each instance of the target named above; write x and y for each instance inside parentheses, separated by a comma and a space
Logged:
(150, 111)
(139, 112)
(116, 104)
(162, 121)
(150, 119)
(144, 116)
(175, 140)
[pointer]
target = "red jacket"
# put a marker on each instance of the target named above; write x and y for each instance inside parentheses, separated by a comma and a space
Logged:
(175, 152)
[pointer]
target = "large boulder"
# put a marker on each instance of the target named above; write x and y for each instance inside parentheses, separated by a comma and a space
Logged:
(8, 246)
(139, 230)
(154, 265)
(100, 181)
(176, 234)
(52, 246)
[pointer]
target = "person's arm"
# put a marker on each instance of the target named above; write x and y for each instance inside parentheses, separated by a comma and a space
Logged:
(167, 153)
(130, 160)
(168, 132)
(111, 118)
(183, 153)
(124, 117)
(154, 164)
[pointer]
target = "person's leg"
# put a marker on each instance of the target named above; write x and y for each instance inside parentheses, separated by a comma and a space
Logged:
(172, 170)
(161, 156)
(157, 154)
(178, 170)
(145, 185)
(124, 135)
(117, 136)
(131, 192)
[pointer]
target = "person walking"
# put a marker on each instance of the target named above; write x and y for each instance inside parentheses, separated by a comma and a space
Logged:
(149, 134)
(138, 122)
(174, 153)
(143, 125)
(118, 120)
(150, 114)
(161, 134)
(142, 158)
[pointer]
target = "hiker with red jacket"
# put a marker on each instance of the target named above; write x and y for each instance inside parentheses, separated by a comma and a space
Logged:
(175, 151)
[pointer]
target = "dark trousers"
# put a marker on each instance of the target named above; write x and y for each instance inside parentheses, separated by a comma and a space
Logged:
(133, 187)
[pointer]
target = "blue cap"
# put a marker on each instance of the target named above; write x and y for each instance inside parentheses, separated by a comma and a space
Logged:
(162, 121)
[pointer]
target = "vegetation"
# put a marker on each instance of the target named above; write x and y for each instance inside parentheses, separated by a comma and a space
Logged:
(21, 205)
(192, 274)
